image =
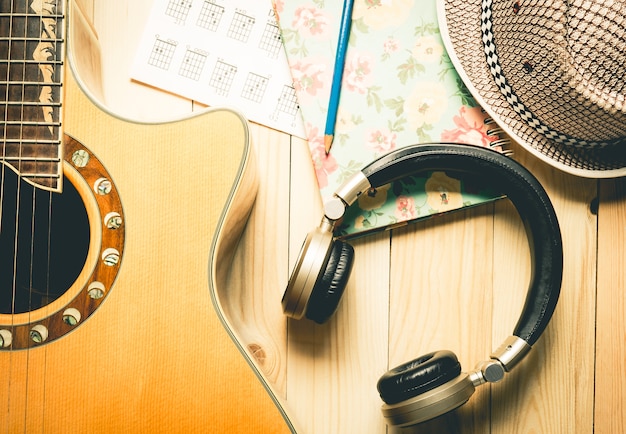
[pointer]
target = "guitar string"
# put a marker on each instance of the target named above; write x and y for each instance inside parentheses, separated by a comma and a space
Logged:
(18, 191)
(6, 114)
(19, 199)
(52, 51)
(49, 32)
(2, 183)
(6, 110)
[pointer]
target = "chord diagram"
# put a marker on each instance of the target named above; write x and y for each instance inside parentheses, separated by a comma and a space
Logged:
(288, 102)
(222, 77)
(254, 87)
(178, 9)
(240, 27)
(210, 16)
(271, 40)
(192, 65)
(162, 53)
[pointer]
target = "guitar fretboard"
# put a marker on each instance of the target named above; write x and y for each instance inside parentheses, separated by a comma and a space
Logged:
(31, 52)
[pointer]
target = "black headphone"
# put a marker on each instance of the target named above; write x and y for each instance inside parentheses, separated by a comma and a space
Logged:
(433, 384)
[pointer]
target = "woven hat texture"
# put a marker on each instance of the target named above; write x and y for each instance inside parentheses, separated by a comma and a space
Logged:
(550, 73)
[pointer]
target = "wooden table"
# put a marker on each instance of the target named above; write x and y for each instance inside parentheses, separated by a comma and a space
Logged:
(455, 282)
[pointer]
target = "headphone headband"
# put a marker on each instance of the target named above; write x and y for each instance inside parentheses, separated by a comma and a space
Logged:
(520, 186)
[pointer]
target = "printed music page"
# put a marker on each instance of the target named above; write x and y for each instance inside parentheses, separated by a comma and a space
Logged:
(221, 53)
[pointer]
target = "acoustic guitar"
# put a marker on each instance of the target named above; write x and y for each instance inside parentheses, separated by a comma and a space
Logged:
(113, 238)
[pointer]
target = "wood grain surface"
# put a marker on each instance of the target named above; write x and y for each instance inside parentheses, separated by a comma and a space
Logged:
(453, 282)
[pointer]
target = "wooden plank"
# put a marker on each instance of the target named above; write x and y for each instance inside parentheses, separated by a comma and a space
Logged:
(305, 211)
(551, 391)
(610, 408)
(333, 368)
(441, 299)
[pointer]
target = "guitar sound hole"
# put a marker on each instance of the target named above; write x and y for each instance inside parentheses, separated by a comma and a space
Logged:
(44, 241)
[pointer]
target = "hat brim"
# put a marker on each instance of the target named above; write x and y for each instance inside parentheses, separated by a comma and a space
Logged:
(462, 37)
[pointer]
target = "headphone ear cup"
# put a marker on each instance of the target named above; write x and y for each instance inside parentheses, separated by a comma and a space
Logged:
(418, 376)
(331, 283)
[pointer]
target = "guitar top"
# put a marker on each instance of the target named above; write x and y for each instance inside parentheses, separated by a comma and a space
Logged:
(115, 331)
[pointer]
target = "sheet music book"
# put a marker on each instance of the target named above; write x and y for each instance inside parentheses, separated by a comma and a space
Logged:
(221, 53)
(399, 88)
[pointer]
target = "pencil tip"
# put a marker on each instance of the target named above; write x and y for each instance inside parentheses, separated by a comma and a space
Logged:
(328, 142)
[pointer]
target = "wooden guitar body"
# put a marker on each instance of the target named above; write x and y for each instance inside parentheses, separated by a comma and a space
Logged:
(154, 356)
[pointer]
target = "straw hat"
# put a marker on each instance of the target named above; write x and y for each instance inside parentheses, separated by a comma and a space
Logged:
(549, 72)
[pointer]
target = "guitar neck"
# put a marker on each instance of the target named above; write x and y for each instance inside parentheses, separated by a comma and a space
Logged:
(32, 49)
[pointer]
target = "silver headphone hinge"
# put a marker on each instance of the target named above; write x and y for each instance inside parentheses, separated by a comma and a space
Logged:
(352, 188)
(490, 371)
(511, 352)
(346, 195)
(334, 209)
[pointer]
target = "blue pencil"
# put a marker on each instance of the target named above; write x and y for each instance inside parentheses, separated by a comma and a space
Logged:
(340, 60)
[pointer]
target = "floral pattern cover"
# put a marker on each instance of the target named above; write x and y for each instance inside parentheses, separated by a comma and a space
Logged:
(399, 88)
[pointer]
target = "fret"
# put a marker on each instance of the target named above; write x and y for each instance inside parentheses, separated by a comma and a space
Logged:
(31, 62)
(31, 39)
(42, 141)
(44, 148)
(13, 123)
(30, 159)
(30, 15)
(27, 84)
(30, 104)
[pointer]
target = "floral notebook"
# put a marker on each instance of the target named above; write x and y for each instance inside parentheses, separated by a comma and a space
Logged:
(399, 88)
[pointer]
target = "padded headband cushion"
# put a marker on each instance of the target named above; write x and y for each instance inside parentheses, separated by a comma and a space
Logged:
(523, 190)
